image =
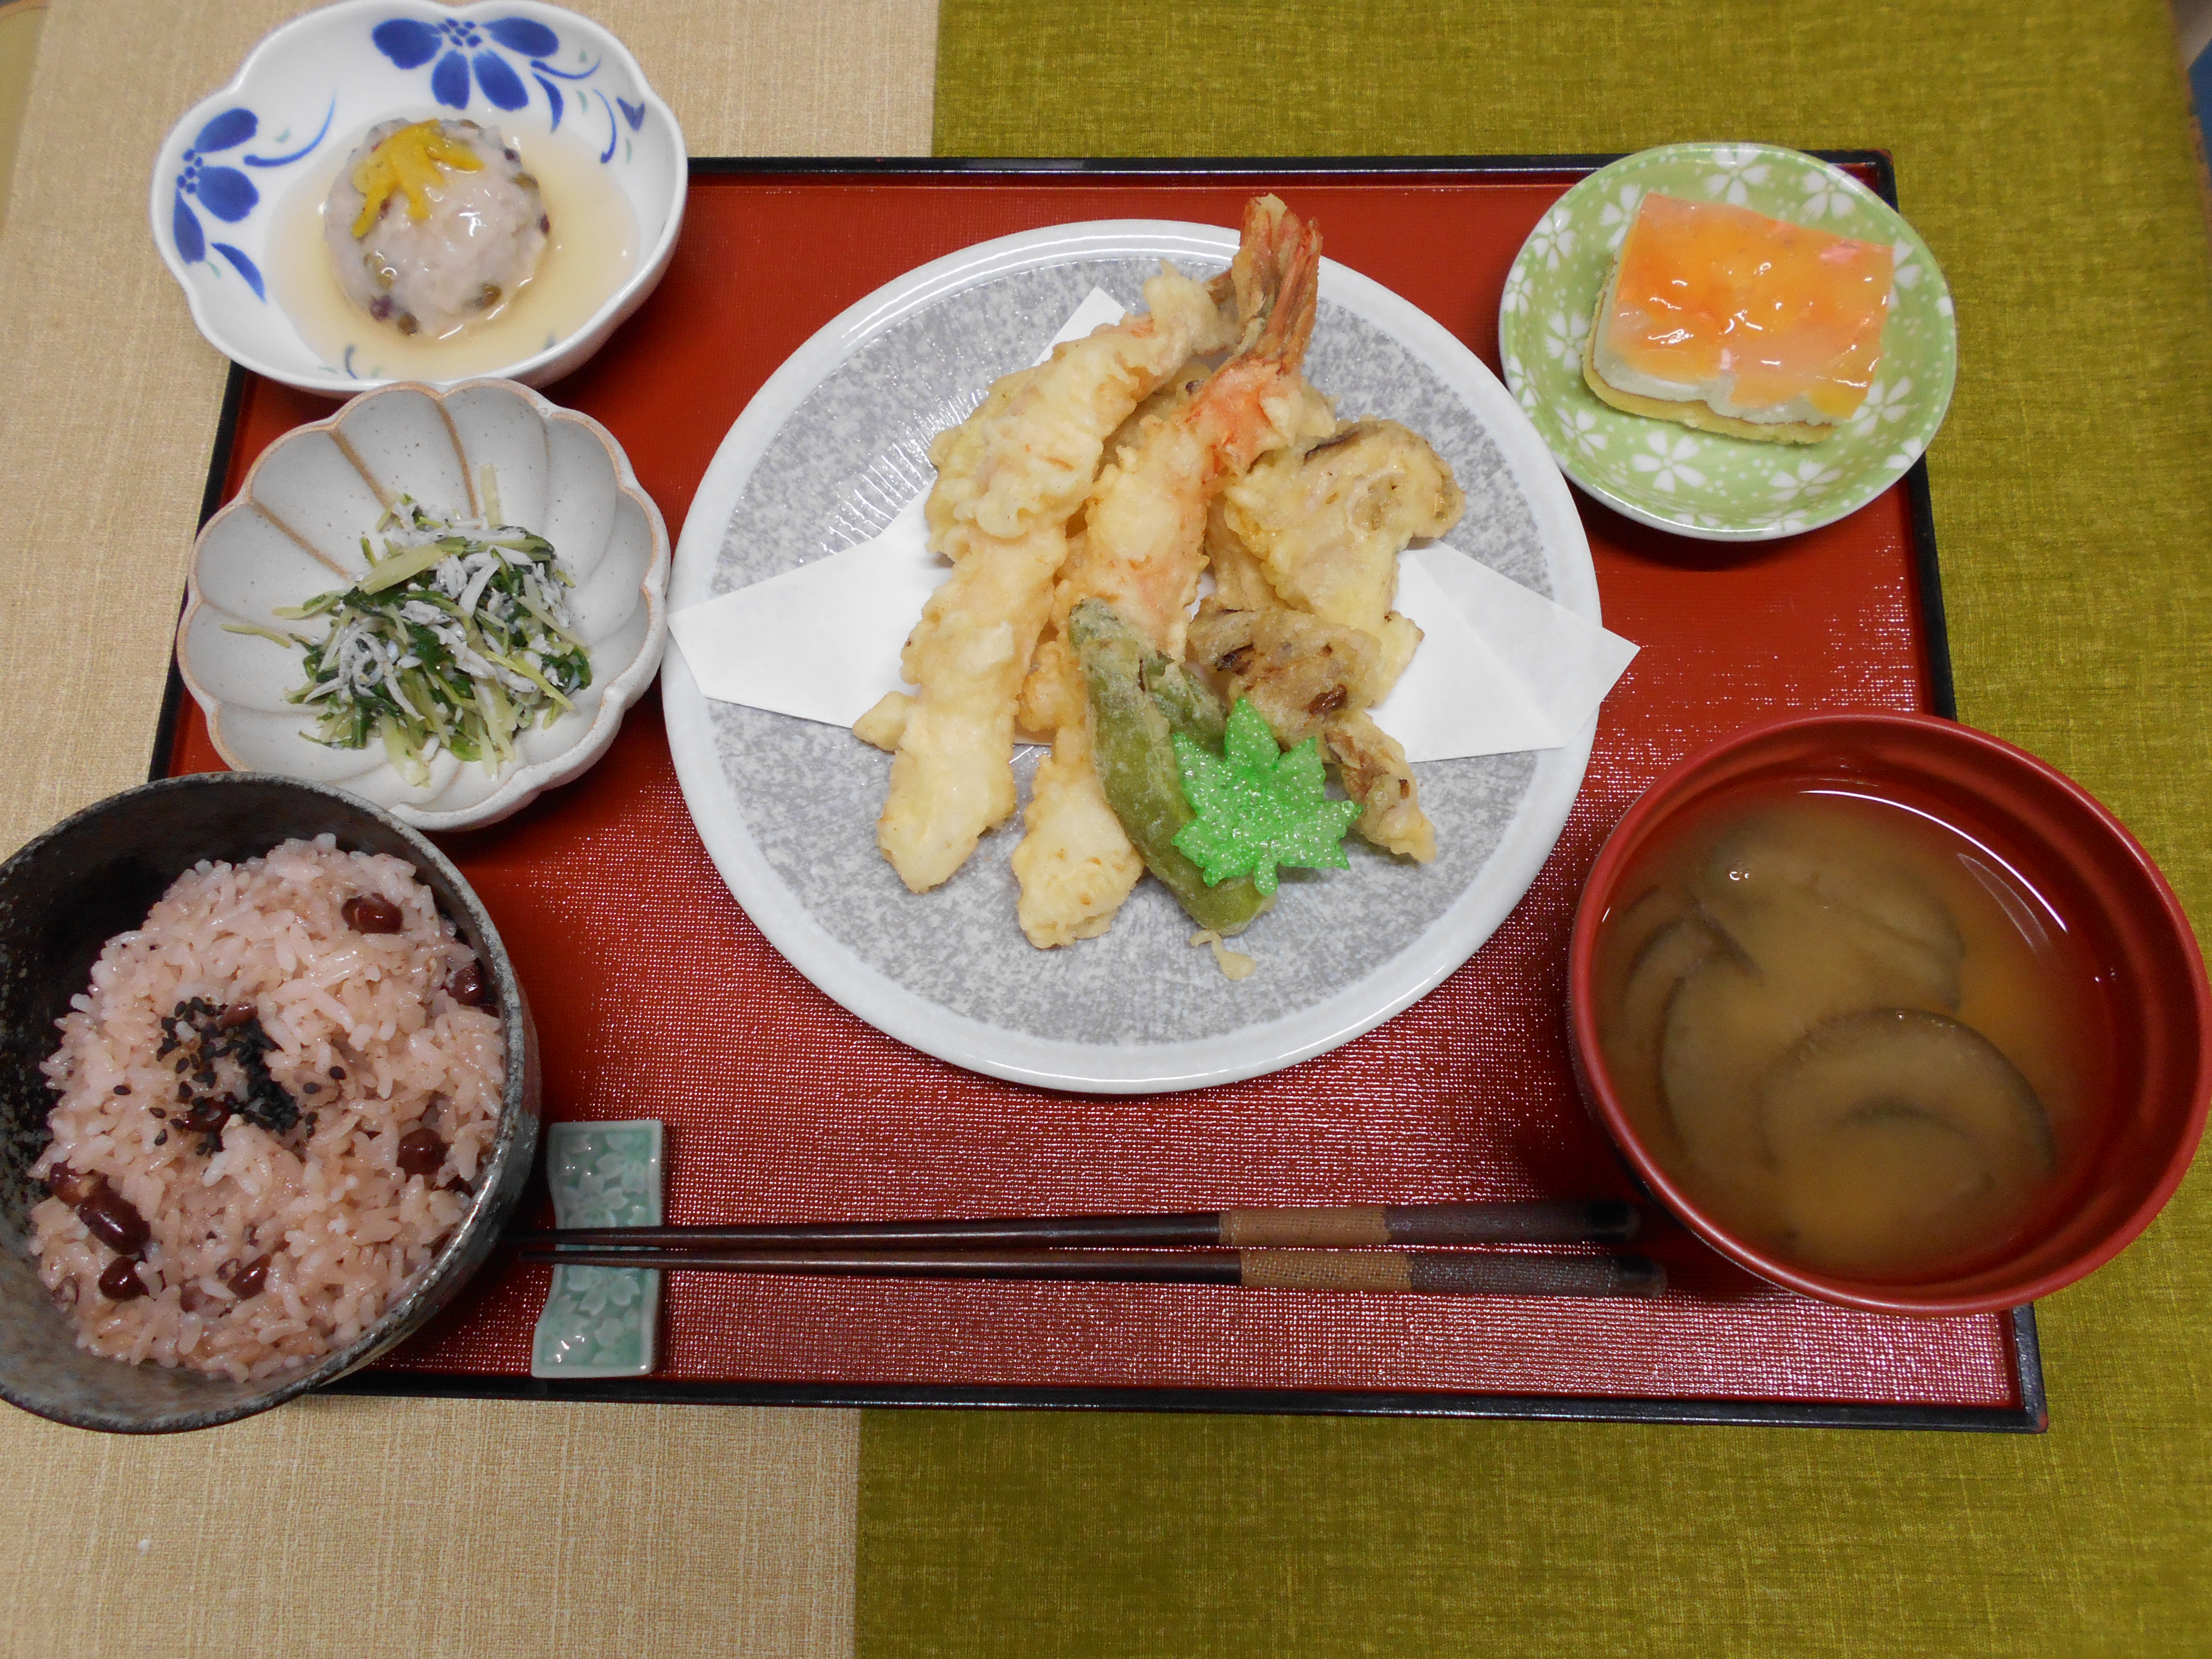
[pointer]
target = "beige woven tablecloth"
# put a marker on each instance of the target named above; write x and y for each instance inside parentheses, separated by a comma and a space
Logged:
(338, 1526)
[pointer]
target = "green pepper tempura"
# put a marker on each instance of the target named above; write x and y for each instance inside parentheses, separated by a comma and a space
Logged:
(457, 639)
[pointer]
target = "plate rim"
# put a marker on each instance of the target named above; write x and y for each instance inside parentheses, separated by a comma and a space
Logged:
(1112, 1068)
(1600, 491)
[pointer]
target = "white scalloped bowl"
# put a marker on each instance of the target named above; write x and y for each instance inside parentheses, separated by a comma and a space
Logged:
(294, 532)
(308, 92)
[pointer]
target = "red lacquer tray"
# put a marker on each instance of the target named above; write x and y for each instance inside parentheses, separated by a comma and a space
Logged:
(656, 997)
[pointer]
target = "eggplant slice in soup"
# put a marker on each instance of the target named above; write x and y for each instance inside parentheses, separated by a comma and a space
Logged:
(1793, 934)
(1770, 858)
(1787, 963)
(1896, 1128)
(1667, 957)
(1722, 1029)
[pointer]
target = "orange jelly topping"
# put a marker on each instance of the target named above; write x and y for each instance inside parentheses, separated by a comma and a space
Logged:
(1708, 292)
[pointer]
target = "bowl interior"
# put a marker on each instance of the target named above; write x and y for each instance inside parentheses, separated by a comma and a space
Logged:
(61, 898)
(2144, 1120)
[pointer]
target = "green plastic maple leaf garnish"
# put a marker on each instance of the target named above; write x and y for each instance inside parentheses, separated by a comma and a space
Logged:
(1259, 807)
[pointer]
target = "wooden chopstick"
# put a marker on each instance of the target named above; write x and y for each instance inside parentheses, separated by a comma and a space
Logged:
(1426, 1273)
(1542, 1221)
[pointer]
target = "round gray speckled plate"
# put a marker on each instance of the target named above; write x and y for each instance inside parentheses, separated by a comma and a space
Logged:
(834, 445)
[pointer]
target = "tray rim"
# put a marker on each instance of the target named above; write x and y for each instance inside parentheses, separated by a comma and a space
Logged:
(2030, 1416)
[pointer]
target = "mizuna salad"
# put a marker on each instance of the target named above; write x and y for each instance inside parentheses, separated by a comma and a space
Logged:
(459, 638)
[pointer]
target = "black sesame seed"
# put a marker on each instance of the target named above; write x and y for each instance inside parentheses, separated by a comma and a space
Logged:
(337, 1074)
(122, 1088)
(311, 1088)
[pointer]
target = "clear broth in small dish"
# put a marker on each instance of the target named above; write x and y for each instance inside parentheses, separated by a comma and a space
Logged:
(590, 251)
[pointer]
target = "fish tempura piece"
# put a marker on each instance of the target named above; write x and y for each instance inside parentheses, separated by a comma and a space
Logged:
(1328, 527)
(952, 773)
(1319, 532)
(1142, 551)
(1009, 479)
(1372, 765)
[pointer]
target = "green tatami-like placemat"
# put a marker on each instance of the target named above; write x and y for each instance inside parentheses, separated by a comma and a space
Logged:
(2043, 151)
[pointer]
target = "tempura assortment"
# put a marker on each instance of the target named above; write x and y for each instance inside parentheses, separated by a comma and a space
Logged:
(1080, 504)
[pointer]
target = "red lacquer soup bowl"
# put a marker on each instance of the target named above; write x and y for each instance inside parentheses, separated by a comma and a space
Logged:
(2140, 987)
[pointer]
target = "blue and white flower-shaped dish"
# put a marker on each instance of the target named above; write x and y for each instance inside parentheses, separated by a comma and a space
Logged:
(305, 95)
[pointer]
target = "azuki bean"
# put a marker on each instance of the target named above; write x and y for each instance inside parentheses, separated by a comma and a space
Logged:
(111, 1218)
(105, 1211)
(370, 912)
(421, 1152)
(203, 1117)
(246, 1282)
(70, 1186)
(119, 1280)
(471, 987)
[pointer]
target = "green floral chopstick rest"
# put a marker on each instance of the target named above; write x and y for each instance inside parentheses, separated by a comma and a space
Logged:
(601, 1321)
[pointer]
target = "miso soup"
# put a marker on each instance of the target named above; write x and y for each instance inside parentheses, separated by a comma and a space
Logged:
(1853, 1034)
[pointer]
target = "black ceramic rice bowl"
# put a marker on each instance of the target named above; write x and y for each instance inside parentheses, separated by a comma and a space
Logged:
(62, 897)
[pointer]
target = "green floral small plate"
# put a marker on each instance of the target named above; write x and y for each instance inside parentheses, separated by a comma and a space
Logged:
(1696, 484)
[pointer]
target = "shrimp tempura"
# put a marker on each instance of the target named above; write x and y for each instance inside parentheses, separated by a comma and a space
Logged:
(1142, 553)
(1009, 479)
